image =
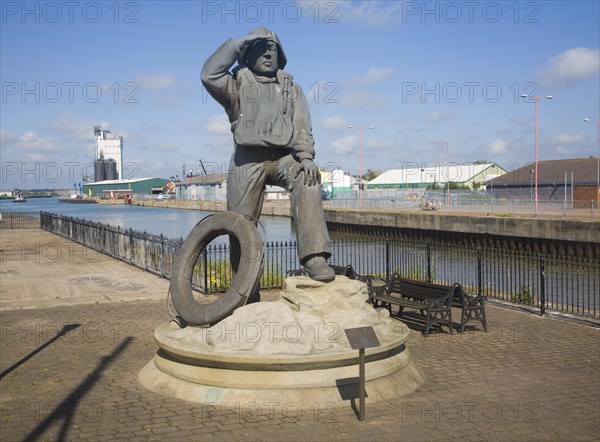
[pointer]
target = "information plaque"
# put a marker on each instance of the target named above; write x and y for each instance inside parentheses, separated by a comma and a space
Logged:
(359, 339)
(362, 337)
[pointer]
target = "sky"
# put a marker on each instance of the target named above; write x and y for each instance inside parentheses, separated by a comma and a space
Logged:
(438, 82)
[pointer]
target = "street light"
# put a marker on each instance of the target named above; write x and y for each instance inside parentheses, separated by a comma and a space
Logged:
(537, 100)
(587, 120)
(531, 185)
(360, 129)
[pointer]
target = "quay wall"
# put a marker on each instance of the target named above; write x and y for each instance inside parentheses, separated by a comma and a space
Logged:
(582, 231)
(361, 221)
(212, 206)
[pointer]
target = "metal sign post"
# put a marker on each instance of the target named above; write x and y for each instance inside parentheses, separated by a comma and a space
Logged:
(361, 338)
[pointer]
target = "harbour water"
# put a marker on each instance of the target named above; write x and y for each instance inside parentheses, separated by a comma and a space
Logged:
(172, 223)
(572, 285)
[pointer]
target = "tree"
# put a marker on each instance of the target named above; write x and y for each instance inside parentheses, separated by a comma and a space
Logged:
(371, 174)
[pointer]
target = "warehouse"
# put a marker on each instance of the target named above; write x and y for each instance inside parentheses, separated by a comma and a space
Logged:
(123, 188)
(572, 181)
(452, 175)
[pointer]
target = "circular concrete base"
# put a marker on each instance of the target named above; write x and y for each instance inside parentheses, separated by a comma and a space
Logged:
(289, 351)
(230, 380)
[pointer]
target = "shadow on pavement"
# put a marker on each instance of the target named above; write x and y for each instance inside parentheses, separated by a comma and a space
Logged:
(66, 329)
(66, 409)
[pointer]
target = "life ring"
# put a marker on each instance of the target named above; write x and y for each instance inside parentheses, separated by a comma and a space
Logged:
(244, 282)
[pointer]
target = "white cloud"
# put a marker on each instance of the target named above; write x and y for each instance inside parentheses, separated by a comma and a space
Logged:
(345, 144)
(218, 124)
(31, 142)
(499, 146)
(570, 67)
(373, 144)
(376, 75)
(372, 13)
(569, 139)
(334, 123)
(79, 129)
(155, 81)
(438, 116)
(30, 147)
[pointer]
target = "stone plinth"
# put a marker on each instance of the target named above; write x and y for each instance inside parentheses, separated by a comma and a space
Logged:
(290, 351)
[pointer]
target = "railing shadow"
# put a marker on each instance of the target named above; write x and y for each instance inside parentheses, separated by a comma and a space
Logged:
(66, 409)
(66, 329)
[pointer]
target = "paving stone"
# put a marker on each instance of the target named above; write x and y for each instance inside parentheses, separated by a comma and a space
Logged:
(528, 378)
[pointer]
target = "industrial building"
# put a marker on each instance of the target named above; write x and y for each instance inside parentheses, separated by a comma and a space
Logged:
(108, 162)
(124, 188)
(415, 177)
(334, 182)
(568, 181)
(213, 187)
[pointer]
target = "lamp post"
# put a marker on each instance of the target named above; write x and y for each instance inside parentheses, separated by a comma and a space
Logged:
(587, 120)
(531, 185)
(447, 170)
(360, 129)
(537, 100)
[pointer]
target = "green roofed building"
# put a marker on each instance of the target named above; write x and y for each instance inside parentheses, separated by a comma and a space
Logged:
(415, 177)
(121, 188)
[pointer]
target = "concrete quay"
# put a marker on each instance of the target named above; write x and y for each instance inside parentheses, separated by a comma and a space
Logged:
(273, 208)
(583, 230)
(69, 362)
(544, 227)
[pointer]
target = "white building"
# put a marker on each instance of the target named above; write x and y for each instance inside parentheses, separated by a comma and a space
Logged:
(213, 187)
(109, 147)
(441, 176)
(336, 181)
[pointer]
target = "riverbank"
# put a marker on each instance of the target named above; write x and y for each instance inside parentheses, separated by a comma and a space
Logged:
(542, 228)
(270, 208)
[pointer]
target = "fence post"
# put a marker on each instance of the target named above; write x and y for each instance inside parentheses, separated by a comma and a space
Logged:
(428, 251)
(162, 256)
(479, 273)
(131, 247)
(542, 287)
(143, 250)
(205, 256)
(387, 258)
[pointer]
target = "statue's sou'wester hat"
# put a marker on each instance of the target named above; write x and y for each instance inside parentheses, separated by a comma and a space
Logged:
(281, 58)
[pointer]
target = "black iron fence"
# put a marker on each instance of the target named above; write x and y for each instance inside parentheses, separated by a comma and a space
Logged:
(562, 283)
(20, 220)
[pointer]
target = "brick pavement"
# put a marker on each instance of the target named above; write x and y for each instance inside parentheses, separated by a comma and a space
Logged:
(528, 378)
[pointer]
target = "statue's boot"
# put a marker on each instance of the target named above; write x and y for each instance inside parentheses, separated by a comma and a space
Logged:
(316, 268)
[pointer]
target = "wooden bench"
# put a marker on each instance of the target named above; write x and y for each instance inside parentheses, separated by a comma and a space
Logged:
(472, 308)
(339, 270)
(434, 301)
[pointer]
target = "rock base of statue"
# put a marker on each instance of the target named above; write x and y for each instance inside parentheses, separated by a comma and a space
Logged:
(291, 353)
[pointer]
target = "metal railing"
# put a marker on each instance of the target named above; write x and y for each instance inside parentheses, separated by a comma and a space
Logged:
(19, 220)
(463, 202)
(563, 283)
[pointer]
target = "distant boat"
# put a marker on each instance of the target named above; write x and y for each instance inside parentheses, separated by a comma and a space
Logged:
(19, 199)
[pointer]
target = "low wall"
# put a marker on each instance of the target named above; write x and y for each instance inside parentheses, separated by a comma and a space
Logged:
(584, 231)
(272, 209)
